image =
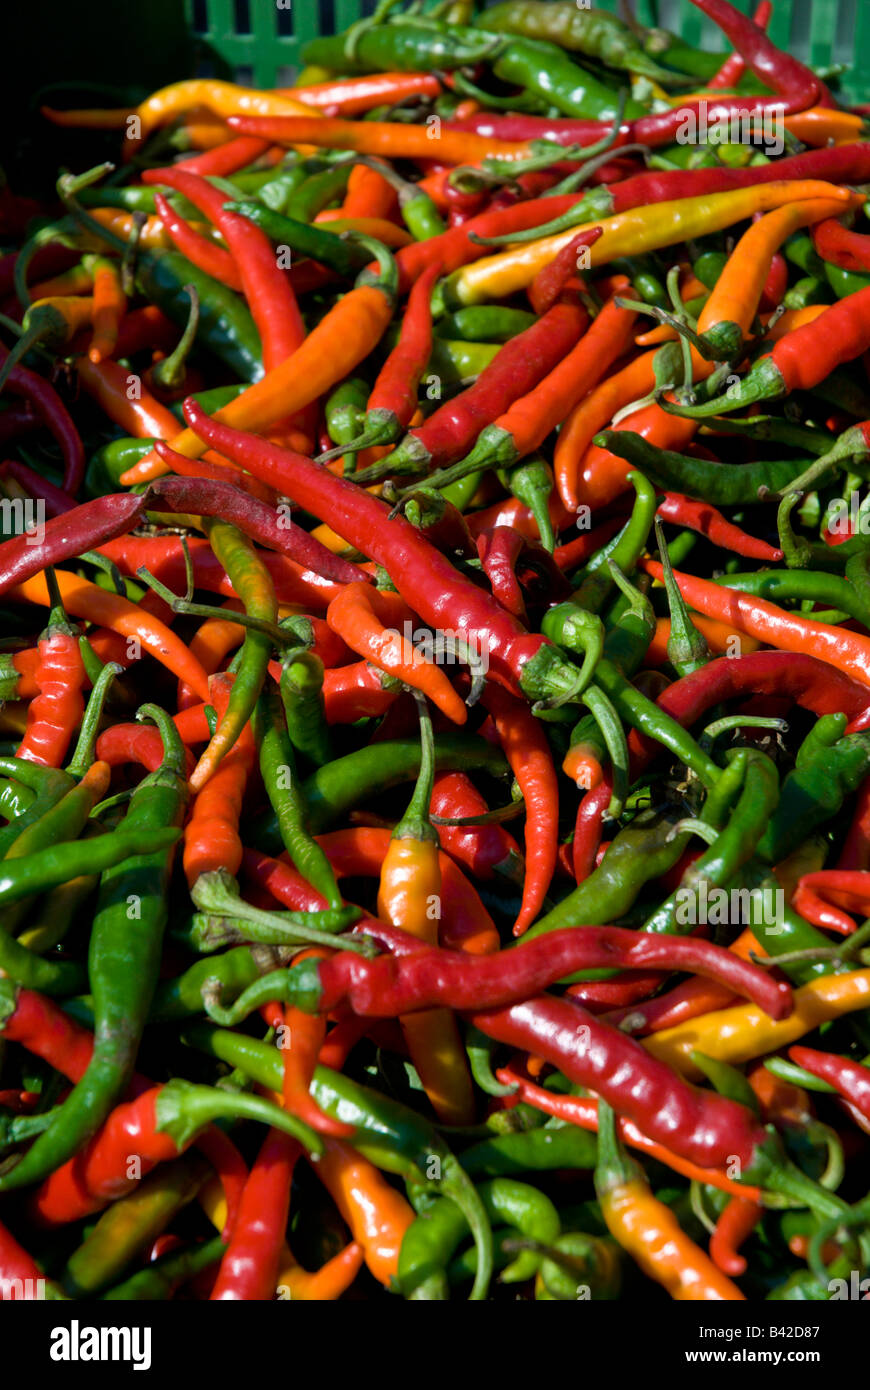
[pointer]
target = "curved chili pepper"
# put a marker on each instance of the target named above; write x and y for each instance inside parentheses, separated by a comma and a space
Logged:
(340, 341)
(706, 520)
(211, 835)
(418, 978)
(378, 1216)
(359, 615)
(440, 595)
(20, 1275)
(850, 1079)
(844, 248)
(357, 691)
(525, 745)
(736, 1223)
(206, 255)
(487, 849)
(123, 966)
(48, 406)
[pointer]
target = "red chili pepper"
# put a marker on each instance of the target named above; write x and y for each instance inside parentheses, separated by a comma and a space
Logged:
(56, 501)
(527, 750)
(424, 577)
(563, 270)
(705, 519)
(226, 159)
(84, 528)
(735, 1225)
(734, 67)
(51, 410)
(416, 976)
(583, 1112)
(820, 896)
(849, 1078)
(856, 850)
(204, 254)
(55, 713)
(357, 691)
(485, 850)
(250, 1266)
(843, 247)
(266, 287)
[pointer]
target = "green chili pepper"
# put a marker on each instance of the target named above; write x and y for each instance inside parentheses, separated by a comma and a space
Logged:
(124, 956)
(387, 1133)
(48, 785)
(624, 550)
(405, 47)
(294, 231)
(485, 323)
(532, 483)
(808, 290)
(543, 68)
(278, 770)
(594, 33)
(235, 970)
(827, 768)
(160, 1279)
(317, 192)
(687, 648)
(535, 1150)
(844, 282)
(333, 790)
(579, 1267)
(302, 697)
(722, 484)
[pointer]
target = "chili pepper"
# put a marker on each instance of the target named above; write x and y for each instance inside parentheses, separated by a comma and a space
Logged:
(249, 1268)
(687, 649)
(158, 1125)
(53, 714)
(514, 656)
(215, 97)
(63, 537)
(395, 140)
(525, 426)
(358, 615)
(518, 367)
(827, 767)
(710, 523)
(130, 1225)
(850, 1079)
(122, 967)
(596, 34)
(109, 306)
(378, 1216)
(48, 406)
(647, 1229)
(302, 685)
(408, 898)
(342, 339)
(211, 836)
(739, 1034)
(639, 229)
(414, 979)
(718, 483)
(820, 896)
(393, 399)
(278, 770)
(844, 248)
(485, 849)
(736, 1223)
(389, 1135)
(353, 96)
(845, 651)
(208, 257)
(407, 47)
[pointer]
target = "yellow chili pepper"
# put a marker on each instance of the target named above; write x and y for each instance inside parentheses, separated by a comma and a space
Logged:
(745, 1031)
(632, 233)
(222, 98)
(409, 896)
(648, 1230)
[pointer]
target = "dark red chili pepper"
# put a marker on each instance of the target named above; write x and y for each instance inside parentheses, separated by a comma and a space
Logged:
(415, 977)
(851, 1079)
(423, 576)
(84, 528)
(257, 520)
(843, 247)
(51, 409)
(55, 499)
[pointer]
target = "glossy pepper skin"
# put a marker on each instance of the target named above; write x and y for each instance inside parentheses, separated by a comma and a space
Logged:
(647, 1229)
(123, 964)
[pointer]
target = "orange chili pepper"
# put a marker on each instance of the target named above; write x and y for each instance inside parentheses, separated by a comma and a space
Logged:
(211, 835)
(377, 1214)
(647, 1229)
(359, 614)
(390, 139)
(110, 305)
(111, 610)
(409, 897)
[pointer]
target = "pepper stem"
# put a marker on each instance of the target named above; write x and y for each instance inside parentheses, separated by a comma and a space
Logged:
(84, 752)
(171, 371)
(415, 823)
(174, 753)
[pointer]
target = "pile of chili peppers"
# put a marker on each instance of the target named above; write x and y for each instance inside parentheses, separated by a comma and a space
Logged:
(435, 591)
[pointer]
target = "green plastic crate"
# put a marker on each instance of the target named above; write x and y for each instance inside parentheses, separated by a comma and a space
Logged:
(259, 40)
